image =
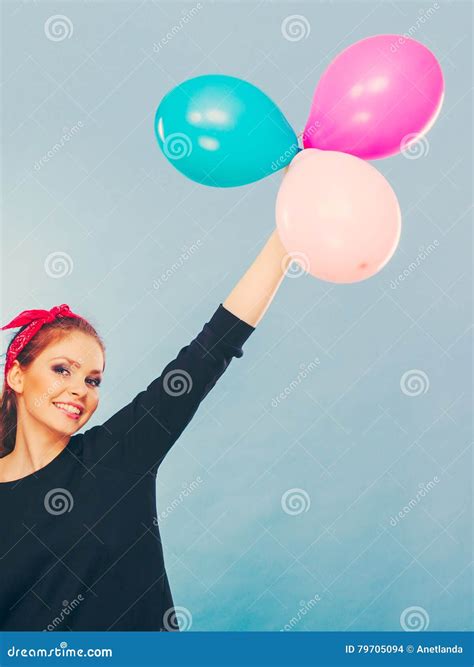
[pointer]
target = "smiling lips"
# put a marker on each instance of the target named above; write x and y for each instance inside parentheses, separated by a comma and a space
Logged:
(72, 411)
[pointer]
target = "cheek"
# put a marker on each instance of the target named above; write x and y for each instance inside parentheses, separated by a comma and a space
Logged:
(94, 402)
(39, 393)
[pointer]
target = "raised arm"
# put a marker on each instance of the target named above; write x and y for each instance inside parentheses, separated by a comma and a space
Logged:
(254, 292)
(138, 437)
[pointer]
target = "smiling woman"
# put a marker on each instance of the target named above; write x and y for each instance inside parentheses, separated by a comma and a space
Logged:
(81, 523)
(35, 379)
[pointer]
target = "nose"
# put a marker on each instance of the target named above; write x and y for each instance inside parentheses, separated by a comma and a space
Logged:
(78, 388)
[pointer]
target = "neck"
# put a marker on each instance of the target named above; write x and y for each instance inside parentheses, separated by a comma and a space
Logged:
(35, 446)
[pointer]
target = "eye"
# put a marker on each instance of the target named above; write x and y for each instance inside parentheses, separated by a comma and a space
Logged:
(60, 369)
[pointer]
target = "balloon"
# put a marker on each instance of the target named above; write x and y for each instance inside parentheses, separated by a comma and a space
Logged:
(222, 131)
(376, 98)
(337, 216)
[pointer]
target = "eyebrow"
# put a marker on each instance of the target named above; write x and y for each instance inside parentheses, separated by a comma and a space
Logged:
(95, 372)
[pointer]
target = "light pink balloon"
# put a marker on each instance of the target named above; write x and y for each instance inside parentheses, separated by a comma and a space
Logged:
(337, 216)
(377, 97)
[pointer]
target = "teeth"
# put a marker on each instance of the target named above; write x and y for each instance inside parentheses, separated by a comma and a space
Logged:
(69, 408)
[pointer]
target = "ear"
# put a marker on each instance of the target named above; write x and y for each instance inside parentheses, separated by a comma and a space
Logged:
(15, 377)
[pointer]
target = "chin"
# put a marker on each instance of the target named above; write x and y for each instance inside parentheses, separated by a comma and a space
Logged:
(65, 429)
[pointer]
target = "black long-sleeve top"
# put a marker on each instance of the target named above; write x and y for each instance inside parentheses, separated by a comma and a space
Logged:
(80, 547)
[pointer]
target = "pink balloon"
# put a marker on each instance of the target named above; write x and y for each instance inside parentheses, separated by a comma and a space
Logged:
(376, 98)
(337, 216)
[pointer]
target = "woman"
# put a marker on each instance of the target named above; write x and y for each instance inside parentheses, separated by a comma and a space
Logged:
(79, 543)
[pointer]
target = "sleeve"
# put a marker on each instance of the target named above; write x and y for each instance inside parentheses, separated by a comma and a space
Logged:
(140, 435)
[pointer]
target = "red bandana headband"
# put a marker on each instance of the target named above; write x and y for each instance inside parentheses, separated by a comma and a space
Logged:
(35, 320)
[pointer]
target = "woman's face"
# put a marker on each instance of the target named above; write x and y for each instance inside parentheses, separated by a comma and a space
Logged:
(60, 388)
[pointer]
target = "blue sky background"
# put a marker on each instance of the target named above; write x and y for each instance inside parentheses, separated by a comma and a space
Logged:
(374, 376)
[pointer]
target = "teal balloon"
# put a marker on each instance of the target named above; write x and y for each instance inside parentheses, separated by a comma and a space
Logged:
(223, 131)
